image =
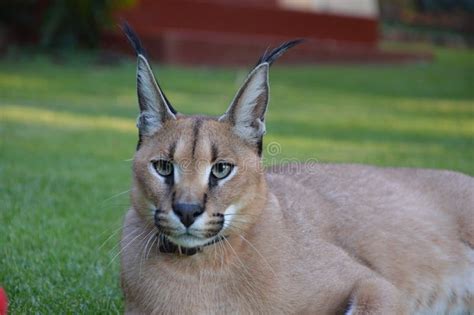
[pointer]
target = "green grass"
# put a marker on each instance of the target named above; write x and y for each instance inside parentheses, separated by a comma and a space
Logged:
(67, 134)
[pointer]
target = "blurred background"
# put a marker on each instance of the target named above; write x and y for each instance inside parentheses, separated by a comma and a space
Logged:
(230, 32)
(386, 82)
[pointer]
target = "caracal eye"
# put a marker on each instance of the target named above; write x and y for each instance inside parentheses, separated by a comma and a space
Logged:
(221, 170)
(163, 167)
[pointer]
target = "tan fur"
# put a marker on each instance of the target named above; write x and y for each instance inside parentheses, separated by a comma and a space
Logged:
(315, 236)
(304, 238)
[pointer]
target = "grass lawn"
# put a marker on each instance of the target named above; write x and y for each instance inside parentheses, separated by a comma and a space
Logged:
(67, 136)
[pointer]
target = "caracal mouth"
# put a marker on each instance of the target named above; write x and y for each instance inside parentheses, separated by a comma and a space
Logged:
(189, 241)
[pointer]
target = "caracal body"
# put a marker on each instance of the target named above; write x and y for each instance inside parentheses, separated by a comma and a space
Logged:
(211, 231)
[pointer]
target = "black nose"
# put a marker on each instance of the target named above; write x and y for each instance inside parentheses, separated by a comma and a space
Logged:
(187, 212)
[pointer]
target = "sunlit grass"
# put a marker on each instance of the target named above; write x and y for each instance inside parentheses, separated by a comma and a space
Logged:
(43, 117)
(67, 136)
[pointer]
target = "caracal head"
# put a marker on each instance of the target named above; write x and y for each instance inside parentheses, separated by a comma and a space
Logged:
(198, 178)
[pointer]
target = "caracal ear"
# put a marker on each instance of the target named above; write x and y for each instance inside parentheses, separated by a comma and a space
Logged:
(155, 108)
(246, 113)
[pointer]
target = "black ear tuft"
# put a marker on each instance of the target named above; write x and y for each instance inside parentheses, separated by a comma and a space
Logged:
(270, 57)
(139, 50)
(133, 39)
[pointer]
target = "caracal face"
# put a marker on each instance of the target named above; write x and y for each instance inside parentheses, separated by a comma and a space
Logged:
(193, 178)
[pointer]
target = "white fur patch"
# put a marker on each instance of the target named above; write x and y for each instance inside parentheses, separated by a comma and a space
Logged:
(460, 285)
(177, 173)
(187, 240)
(229, 214)
(200, 222)
(205, 175)
(351, 309)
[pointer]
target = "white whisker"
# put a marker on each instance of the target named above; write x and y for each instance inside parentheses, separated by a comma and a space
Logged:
(114, 233)
(123, 248)
(149, 236)
(151, 247)
(116, 195)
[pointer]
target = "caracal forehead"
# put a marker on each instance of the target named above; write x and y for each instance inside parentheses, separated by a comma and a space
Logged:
(196, 138)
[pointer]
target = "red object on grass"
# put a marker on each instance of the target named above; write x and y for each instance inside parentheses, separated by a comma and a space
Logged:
(3, 302)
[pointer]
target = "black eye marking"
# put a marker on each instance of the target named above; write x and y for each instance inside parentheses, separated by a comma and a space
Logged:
(172, 150)
(212, 182)
(173, 197)
(139, 143)
(196, 127)
(204, 201)
(260, 146)
(214, 153)
(169, 180)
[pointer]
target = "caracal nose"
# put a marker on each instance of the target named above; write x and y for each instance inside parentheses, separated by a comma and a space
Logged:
(187, 212)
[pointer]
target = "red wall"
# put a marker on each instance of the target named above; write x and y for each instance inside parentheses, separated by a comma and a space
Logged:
(233, 32)
(154, 17)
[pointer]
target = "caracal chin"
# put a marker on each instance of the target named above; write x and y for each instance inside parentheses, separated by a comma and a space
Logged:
(211, 231)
